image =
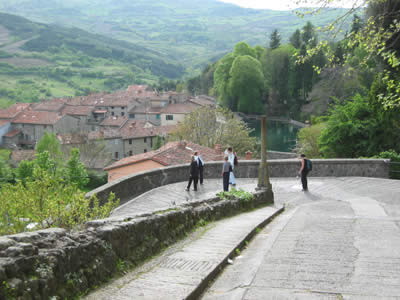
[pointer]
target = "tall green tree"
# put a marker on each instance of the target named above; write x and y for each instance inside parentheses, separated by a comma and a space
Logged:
(275, 39)
(295, 39)
(75, 170)
(247, 84)
(50, 143)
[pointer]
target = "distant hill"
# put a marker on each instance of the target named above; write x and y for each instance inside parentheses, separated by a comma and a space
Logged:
(40, 61)
(191, 32)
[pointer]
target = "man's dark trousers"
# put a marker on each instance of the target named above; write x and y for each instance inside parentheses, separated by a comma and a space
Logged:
(304, 180)
(226, 181)
(195, 181)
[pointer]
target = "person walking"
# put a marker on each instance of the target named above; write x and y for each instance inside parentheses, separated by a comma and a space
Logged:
(194, 174)
(304, 169)
(226, 170)
(231, 159)
(200, 163)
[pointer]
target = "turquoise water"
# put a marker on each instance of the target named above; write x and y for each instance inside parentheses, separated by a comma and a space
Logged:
(280, 136)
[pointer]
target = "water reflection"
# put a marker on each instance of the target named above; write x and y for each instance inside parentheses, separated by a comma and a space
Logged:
(281, 135)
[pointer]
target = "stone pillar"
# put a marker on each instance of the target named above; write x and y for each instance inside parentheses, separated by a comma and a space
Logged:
(263, 175)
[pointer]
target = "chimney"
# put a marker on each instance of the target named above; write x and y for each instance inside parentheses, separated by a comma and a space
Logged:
(249, 155)
(218, 147)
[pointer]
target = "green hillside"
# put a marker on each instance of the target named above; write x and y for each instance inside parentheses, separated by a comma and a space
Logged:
(42, 61)
(191, 32)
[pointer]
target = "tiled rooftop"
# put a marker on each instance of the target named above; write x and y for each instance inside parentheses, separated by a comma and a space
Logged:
(37, 117)
(114, 121)
(78, 110)
(180, 108)
(173, 153)
(14, 110)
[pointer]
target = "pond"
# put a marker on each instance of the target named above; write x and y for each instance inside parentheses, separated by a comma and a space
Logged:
(281, 136)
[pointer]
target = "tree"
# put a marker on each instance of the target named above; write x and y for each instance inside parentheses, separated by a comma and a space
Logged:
(295, 39)
(50, 143)
(76, 172)
(247, 84)
(275, 39)
(157, 142)
(208, 126)
(5, 172)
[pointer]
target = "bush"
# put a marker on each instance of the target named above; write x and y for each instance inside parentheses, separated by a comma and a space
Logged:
(96, 179)
(394, 170)
(46, 201)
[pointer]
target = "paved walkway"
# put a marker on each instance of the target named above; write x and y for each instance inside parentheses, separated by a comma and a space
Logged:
(340, 240)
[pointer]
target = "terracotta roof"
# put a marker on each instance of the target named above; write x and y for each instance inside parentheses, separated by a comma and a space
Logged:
(145, 109)
(137, 88)
(138, 129)
(180, 108)
(104, 134)
(77, 110)
(203, 101)
(173, 153)
(13, 110)
(13, 133)
(48, 106)
(38, 117)
(114, 121)
(4, 122)
(19, 155)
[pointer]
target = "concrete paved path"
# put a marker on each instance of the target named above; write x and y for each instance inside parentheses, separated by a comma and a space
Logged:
(340, 241)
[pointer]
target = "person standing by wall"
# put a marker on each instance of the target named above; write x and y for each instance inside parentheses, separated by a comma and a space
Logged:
(226, 170)
(304, 169)
(200, 163)
(231, 159)
(194, 174)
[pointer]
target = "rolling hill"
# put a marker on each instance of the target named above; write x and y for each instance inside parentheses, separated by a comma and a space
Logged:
(40, 61)
(191, 32)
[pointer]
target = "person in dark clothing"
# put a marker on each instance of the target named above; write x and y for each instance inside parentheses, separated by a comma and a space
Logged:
(200, 162)
(226, 170)
(303, 172)
(194, 174)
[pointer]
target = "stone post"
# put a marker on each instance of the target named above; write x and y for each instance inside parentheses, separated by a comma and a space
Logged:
(263, 176)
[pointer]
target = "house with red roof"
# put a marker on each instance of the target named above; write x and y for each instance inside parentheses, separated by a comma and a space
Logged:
(5, 126)
(175, 113)
(173, 153)
(13, 111)
(29, 126)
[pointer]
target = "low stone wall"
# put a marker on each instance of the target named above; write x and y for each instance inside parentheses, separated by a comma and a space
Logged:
(132, 186)
(53, 262)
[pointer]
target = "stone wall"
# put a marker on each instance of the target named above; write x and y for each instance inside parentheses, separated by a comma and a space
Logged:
(129, 187)
(53, 262)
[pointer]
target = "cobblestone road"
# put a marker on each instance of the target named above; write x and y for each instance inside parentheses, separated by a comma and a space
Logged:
(339, 241)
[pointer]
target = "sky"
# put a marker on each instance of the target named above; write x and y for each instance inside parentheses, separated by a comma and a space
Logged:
(280, 4)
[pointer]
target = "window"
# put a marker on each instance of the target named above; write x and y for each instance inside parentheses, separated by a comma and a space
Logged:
(158, 116)
(169, 117)
(45, 126)
(145, 140)
(130, 141)
(131, 116)
(116, 142)
(123, 107)
(151, 142)
(145, 150)
(122, 114)
(116, 155)
(130, 153)
(112, 107)
(112, 113)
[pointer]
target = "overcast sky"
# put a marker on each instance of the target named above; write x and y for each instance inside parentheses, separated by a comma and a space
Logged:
(280, 4)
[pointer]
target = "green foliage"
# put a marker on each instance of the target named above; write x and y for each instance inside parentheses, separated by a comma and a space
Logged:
(308, 138)
(75, 170)
(6, 174)
(209, 126)
(96, 179)
(394, 170)
(240, 194)
(246, 84)
(47, 201)
(275, 39)
(158, 142)
(50, 143)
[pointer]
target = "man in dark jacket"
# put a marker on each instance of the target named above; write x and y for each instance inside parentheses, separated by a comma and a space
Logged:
(194, 174)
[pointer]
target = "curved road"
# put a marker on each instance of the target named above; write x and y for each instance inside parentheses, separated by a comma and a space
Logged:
(340, 241)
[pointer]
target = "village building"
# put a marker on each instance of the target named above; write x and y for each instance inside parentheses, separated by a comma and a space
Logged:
(82, 113)
(5, 126)
(173, 153)
(29, 126)
(175, 113)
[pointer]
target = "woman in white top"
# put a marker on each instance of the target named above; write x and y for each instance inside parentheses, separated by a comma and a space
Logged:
(231, 159)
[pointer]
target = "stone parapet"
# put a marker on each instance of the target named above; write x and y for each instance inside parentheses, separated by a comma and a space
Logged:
(54, 262)
(129, 187)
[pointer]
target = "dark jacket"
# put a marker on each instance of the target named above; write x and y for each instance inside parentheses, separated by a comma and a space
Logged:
(194, 169)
